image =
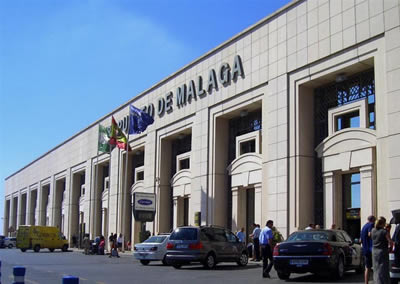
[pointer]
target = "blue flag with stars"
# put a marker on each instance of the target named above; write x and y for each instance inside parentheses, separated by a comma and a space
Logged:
(138, 120)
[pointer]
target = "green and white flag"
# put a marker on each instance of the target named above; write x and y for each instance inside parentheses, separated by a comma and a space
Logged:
(104, 137)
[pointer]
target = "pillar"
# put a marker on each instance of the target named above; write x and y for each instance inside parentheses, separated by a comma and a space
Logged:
(176, 211)
(329, 199)
(257, 205)
(367, 196)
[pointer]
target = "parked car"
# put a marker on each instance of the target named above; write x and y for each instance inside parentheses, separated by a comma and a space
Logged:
(152, 249)
(207, 245)
(2, 239)
(10, 242)
(317, 251)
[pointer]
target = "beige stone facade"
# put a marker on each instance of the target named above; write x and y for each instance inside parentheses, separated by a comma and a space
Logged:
(296, 119)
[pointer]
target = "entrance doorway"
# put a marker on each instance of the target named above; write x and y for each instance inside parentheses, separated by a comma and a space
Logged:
(351, 204)
(249, 212)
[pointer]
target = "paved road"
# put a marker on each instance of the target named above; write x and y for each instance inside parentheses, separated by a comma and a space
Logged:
(48, 268)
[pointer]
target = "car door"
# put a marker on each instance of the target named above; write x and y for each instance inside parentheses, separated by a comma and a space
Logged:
(235, 246)
(221, 244)
(348, 252)
(355, 250)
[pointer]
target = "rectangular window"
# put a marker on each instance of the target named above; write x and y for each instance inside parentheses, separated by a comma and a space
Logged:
(248, 147)
(140, 176)
(347, 120)
(184, 164)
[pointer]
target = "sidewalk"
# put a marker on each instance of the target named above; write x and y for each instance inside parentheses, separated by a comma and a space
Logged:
(125, 253)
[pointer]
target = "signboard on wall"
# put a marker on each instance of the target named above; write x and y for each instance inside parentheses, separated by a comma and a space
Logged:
(144, 206)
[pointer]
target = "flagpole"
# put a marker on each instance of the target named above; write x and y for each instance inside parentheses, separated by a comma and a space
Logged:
(126, 177)
(108, 199)
(116, 214)
(96, 184)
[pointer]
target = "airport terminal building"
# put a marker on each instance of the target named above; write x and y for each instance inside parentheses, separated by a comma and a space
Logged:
(295, 119)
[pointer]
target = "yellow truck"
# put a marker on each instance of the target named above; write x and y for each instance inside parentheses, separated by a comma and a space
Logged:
(39, 237)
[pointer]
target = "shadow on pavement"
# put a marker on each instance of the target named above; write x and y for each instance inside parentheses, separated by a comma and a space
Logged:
(349, 277)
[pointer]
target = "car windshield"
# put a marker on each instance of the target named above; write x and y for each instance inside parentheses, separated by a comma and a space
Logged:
(184, 234)
(155, 239)
(309, 236)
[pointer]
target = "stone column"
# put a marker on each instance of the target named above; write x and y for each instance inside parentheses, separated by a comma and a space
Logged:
(258, 204)
(175, 202)
(367, 194)
(329, 199)
(238, 208)
(12, 222)
(19, 211)
(7, 213)
(28, 207)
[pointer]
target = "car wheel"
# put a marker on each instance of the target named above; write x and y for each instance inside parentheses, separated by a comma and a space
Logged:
(36, 248)
(340, 268)
(164, 261)
(283, 275)
(209, 262)
(64, 248)
(51, 249)
(23, 250)
(10, 246)
(243, 260)
(177, 265)
(144, 262)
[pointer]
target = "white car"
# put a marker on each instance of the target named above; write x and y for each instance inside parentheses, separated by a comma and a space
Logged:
(152, 249)
(10, 242)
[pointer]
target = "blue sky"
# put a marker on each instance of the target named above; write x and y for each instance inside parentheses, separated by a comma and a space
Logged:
(65, 64)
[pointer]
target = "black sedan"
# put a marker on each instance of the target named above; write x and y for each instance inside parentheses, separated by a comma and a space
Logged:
(318, 251)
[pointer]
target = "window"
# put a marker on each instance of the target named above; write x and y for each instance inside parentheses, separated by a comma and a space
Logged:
(183, 161)
(184, 234)
(231, 237)
(139, 174)
(248, 147)
(248, 143)
(220, 235)
(184, 164)
(348, 120)
(350, 115)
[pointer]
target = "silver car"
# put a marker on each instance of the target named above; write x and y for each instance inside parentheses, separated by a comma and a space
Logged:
(10, 242)
(152, 249)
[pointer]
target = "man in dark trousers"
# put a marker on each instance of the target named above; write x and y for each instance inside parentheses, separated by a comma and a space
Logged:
(366, 243)
(266, 238)
(256, 238)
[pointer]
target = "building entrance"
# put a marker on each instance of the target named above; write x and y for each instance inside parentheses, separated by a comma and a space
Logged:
(351, 204)
(250, 220)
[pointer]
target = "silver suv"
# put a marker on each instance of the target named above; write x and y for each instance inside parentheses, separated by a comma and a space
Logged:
(207, 245)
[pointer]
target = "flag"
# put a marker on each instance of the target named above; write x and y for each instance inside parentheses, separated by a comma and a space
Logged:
(138, 120)
(117, 137)
(104, 138)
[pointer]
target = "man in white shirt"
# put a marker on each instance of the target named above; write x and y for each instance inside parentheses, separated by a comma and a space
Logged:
(266, 237)
(255, 235)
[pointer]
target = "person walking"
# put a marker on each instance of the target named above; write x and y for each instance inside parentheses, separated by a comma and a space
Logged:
(366, 243)
(256, 241)
(86, 243)
(380, 252)
(266, 238)
(119, 242)
(241, 235)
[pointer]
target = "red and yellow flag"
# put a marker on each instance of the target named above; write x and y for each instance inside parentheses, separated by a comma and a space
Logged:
(117, 137)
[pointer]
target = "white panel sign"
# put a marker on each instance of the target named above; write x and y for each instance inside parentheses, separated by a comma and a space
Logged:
(145, 201)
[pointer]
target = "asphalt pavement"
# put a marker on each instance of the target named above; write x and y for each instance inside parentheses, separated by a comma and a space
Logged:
(48, 268)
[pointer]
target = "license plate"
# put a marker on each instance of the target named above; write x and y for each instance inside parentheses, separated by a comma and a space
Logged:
(299, 262)
(180, 246)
